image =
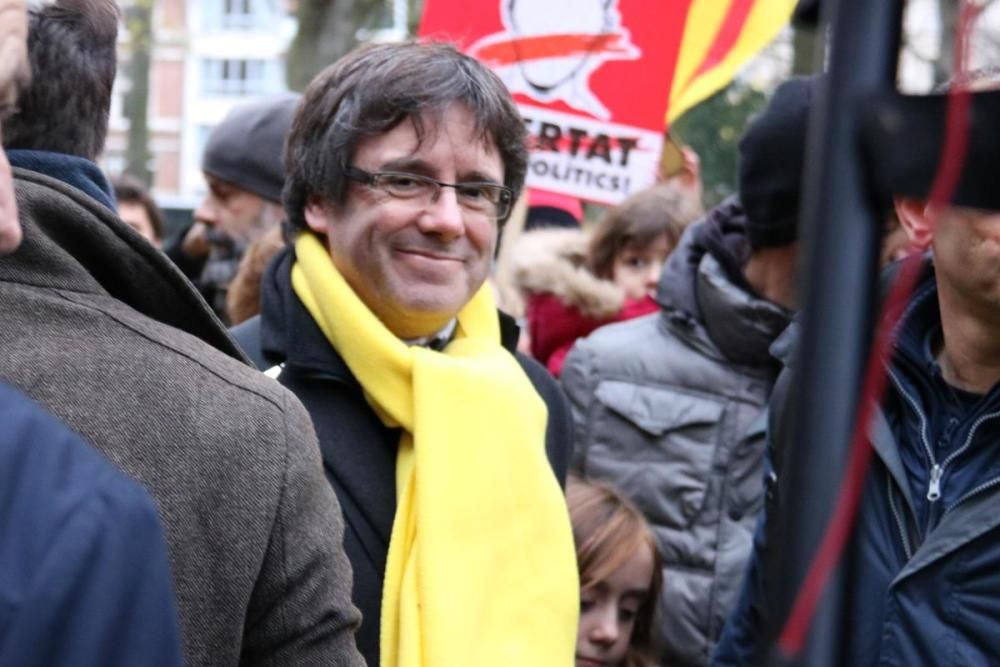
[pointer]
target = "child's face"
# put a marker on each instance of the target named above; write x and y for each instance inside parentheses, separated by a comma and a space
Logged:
(637, 270)
(608, 611)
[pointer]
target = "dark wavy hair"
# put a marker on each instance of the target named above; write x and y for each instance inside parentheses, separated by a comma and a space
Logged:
(373, 89)
(72, 53)
(638, 221)
(608, 529)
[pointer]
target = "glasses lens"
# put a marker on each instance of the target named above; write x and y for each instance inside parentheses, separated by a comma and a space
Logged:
(488, 199)
(405, 186)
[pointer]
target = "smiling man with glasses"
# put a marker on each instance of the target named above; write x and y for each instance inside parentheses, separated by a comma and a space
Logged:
(401, 166)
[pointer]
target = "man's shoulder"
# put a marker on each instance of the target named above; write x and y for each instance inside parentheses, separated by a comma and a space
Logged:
(139, 384)
(621, 345)
(54, 481)
(121, 340)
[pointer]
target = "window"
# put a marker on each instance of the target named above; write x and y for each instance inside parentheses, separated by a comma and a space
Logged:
(240, 14)
(237, 14)
(240, 77)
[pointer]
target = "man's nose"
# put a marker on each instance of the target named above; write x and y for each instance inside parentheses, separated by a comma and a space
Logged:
(443, 215)
(207, 212)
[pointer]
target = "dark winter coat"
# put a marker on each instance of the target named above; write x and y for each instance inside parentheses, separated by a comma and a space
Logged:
(925, 555)
(359, 452)
(670, 409)
(101, 329)
(84, 575)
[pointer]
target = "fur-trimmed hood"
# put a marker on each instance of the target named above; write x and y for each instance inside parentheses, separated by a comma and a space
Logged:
(551, 261)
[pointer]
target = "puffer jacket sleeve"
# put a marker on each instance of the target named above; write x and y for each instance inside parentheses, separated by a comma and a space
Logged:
(578, 384)
(301, 611)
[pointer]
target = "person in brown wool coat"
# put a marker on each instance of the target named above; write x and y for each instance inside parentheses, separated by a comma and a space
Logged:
(102, 330)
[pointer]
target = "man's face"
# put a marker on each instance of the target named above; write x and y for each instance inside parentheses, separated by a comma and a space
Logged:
(414, 264)
(232, 212)
(13, 74)
(966, 246)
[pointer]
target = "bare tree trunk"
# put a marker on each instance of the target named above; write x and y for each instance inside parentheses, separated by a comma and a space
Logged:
(327, 30)
(140, 26)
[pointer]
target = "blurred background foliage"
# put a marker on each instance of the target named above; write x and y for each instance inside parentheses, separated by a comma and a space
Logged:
(713, 130)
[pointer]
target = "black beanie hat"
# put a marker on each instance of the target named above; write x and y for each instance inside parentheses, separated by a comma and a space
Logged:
(246, 148)
(772, 159)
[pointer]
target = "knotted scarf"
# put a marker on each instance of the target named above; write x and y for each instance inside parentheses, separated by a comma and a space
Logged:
(481, 567)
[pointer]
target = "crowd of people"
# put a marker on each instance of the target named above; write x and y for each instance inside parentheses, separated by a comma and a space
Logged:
(334, 421)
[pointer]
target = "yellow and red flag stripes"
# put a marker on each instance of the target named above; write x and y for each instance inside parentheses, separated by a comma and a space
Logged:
(719, 37)
(596, 80)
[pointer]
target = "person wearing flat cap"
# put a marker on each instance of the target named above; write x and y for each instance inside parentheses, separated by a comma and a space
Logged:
(243, 169)
(670, 407)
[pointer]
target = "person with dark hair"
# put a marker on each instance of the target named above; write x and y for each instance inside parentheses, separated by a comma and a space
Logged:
(402, 163)
(574, 282)
(84, 574)
(244, 172)
(102, 330)
(671, 407)
(620, 577)
(137, 209)
(59, 128)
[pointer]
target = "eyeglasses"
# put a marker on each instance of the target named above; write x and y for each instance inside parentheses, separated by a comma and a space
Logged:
(490, 200)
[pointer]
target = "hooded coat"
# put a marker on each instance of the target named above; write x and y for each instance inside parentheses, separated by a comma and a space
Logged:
(670, 409)
(100, 328)
(565, 301)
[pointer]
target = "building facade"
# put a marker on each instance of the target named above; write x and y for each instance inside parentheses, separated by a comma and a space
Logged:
(206, 56)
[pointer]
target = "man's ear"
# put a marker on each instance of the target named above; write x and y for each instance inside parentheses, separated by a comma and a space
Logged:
(317, 215)
(915, 220)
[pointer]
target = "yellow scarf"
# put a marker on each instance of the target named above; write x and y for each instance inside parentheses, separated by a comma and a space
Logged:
(481, 567)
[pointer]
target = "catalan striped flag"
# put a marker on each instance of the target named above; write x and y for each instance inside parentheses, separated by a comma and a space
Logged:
(719, 37)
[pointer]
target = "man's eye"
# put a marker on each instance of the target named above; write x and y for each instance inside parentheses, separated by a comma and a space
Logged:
(402, 182)
(475, 192)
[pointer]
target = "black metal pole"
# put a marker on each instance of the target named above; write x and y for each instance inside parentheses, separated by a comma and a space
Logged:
(841, 235)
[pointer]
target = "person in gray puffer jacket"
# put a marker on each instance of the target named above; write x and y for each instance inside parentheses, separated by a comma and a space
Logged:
(671, 407)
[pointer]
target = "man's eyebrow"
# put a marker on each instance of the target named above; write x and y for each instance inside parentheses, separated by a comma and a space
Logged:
(407, 163)
(419, 166)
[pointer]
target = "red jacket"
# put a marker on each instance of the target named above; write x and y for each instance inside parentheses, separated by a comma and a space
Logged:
(554, 326)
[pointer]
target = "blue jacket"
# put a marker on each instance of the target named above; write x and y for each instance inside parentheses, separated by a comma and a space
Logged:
(925, 578)
(84, 576)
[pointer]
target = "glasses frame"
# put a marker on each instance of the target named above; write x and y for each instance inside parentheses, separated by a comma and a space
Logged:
(372, 178)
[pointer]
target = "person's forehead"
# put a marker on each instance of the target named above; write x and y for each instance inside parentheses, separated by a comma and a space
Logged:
(13, 47)
(455, 122)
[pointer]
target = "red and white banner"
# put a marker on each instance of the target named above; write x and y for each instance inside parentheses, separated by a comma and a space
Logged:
(593, 78)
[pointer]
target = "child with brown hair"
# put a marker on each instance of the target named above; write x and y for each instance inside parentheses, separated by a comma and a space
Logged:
(620, 577)
(574, 283)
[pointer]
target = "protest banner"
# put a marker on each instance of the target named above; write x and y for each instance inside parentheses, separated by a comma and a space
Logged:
(594, 78)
